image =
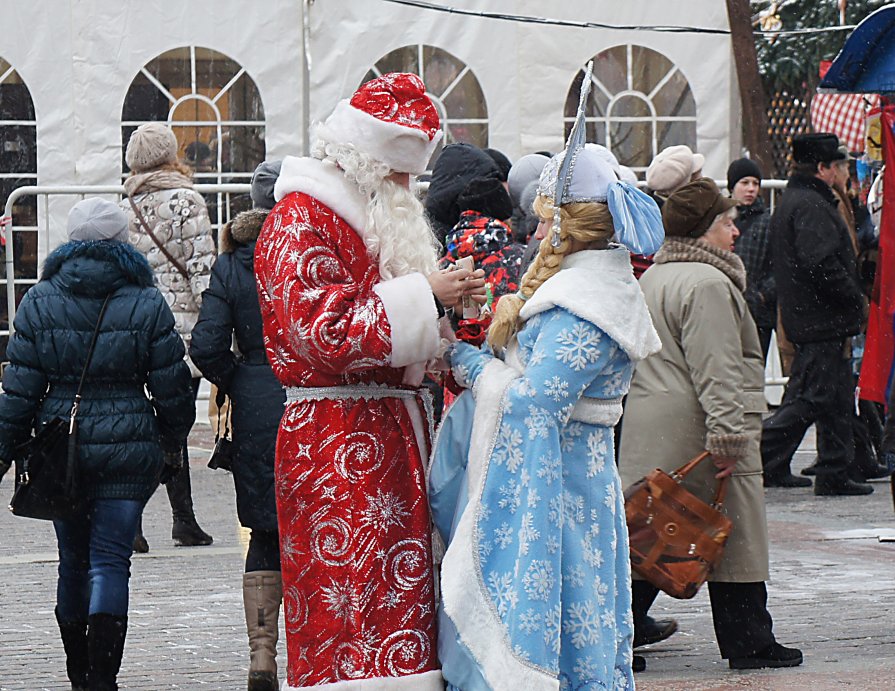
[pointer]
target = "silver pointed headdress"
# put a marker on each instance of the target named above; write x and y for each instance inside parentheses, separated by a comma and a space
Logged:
(574, 144)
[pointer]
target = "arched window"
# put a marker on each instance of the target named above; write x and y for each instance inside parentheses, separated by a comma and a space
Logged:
(450, 84)
(18, 167)
(211, 103)
(639, 104)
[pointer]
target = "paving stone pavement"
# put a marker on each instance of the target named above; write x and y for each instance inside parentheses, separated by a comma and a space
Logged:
(831, 593)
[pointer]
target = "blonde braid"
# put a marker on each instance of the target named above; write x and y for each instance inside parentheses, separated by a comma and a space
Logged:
(581, 224)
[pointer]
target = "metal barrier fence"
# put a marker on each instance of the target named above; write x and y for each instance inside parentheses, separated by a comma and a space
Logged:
(42, 246)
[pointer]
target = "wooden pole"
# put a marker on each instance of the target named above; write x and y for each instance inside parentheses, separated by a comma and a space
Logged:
(752, 97)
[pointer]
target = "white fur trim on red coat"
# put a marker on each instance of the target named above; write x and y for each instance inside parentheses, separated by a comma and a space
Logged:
(403, 149)
(427, 681)
(413, 318)
(327, 184)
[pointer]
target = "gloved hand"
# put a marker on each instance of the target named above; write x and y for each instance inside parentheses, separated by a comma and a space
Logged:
(173, 464)
(467, 362)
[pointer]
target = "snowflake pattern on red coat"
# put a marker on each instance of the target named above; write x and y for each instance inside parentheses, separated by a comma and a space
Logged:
(354, 521)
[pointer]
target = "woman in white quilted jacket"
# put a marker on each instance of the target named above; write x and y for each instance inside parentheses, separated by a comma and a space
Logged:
(169, 224)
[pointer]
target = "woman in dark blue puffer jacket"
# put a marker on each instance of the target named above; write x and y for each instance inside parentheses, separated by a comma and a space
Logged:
(136, 411)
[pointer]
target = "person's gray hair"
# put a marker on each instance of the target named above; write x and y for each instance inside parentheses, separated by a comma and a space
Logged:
(730, 213)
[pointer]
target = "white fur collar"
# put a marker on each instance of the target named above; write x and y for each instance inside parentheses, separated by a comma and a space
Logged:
(327, 184)
(599, 286)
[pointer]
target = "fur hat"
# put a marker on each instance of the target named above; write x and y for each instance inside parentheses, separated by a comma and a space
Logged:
(742, 168)
(151, 145)
(820, 147)
(672, 168)
(263, 180)
(97, 219)
(690, 211)
(487, 196)
(391, 119)
(524, 171)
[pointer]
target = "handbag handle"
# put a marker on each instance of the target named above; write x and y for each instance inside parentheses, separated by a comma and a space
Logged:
(164, 250)
(687, 468)
(77, 402)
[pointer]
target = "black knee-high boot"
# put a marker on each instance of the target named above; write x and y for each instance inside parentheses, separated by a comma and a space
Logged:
(105, 647)
(74, 642)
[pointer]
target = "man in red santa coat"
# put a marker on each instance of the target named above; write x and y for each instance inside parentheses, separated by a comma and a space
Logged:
(351, 300)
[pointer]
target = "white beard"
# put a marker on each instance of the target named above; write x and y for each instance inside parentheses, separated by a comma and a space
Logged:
(397, 232)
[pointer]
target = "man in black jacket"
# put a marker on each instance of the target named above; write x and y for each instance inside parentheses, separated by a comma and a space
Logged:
(821, 306)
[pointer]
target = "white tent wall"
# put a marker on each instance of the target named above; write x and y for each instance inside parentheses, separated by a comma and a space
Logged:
(78, 58)
(525, 70)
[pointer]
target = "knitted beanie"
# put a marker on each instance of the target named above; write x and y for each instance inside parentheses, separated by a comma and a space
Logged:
(263, 180)
(151, 145)
(742, 168)
(97, 219)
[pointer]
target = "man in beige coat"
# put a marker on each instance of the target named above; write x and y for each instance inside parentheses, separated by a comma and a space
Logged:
(704, 391)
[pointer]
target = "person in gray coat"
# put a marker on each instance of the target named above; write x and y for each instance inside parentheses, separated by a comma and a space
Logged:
(704, 391)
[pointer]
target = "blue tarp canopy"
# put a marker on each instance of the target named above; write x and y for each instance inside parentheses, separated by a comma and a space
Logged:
(866, 63)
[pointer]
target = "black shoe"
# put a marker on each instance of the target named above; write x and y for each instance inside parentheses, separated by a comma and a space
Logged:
(810, 470)
(789, 480)
(189, 534)
(638, 664)
(775, 655)
(140, 544)
(874, 472)
(839, 486)
(652, 631)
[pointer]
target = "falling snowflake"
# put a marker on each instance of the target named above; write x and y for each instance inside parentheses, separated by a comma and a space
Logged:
(578, 347)
(597, 451)
(341, 599)
(569, 434)
(529, 621)
(539, 580)
(503, 536)
(507, 449)
(583, 624)
(550, 468)
(557, 389)
(384, 510)
(552, 628)
(539, 422)
(527, 533)
(502, 592)
(510, 496)
(575, 577)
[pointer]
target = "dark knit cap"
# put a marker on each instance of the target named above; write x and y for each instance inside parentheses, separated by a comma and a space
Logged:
(503, 163)
(742, 168)
(488, 196)
(689, 211)
(820, 147)
(263, 180)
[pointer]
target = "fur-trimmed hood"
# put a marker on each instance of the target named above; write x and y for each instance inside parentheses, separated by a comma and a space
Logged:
(242, 230)
(97, 266)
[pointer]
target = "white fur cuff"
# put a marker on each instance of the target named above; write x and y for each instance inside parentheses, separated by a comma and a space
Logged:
(427, 681)
(413, 317)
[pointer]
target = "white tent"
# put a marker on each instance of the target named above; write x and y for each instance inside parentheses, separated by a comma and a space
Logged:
(87, 63)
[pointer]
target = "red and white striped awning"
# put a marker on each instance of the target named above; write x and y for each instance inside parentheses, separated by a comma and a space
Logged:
(843, 115)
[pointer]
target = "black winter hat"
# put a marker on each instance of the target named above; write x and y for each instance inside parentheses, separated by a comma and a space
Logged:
(503, 163)
(821, 147)
(742, 168)
(488, 196)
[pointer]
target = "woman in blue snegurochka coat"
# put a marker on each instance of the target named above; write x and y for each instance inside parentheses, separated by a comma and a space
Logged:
(524, 488)
(136, 412)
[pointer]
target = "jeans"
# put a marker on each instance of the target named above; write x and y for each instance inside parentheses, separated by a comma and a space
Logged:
(95, 559)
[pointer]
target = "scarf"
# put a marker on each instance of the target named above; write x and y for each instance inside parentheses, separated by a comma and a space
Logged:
(676, 249)
(153, 181)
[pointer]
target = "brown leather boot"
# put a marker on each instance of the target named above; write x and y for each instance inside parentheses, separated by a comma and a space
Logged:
(262, 593)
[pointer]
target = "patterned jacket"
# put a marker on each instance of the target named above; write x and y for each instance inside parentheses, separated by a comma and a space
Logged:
(179, 219)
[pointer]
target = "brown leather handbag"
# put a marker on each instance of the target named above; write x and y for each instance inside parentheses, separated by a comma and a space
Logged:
(676, 538)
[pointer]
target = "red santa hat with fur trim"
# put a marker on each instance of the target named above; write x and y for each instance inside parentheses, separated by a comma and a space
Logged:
(390, 119)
